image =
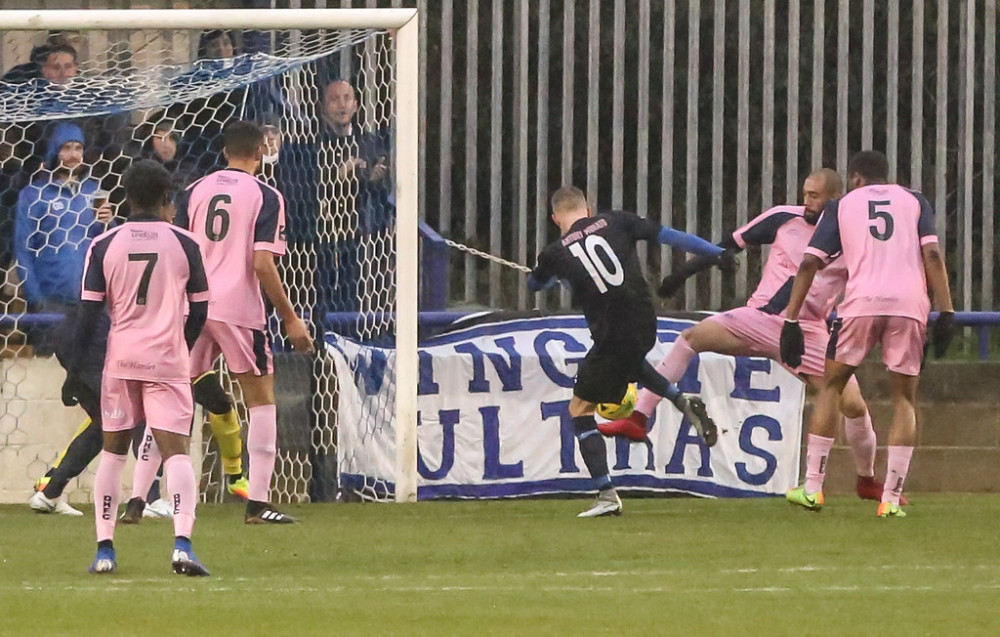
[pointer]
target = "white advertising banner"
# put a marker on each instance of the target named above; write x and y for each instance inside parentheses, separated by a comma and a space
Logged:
(493, 419)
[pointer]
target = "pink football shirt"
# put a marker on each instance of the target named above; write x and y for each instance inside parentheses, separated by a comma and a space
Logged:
(146, 271)
(788, 233)
(234, 214)
(880, 229)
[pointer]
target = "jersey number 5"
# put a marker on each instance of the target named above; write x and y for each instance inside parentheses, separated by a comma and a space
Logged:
(596, 266)
(150, 259)
(216, 211)
(874, 214)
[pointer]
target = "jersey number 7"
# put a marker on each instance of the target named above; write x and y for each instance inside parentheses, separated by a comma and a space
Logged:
(595, 265)
(150, 259)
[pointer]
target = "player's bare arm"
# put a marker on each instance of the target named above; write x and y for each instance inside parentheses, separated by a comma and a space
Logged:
(940, 293)
(270, 281)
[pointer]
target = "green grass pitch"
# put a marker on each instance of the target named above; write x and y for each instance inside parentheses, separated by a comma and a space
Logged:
(675, 566)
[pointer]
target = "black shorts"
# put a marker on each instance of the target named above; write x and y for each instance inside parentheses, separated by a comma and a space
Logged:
(605, 373)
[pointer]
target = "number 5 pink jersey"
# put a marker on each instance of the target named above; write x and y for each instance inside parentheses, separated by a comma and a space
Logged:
(146, 271)
(881, 229)
(233, 214)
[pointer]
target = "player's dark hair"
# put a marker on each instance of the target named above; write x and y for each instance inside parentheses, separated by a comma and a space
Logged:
(60, 48)
(869, 164)
(568, 198)
(242, 139)
(147, 187)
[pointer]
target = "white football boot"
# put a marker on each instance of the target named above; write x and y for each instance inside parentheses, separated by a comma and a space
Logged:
(607, 503)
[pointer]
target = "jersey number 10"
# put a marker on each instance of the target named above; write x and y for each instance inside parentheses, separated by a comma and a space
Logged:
(596, 266)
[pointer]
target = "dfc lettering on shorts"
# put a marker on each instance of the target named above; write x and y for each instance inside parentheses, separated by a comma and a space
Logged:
(177, 503)
(106, 508)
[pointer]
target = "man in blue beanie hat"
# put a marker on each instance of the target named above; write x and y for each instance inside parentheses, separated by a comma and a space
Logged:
(58, 214)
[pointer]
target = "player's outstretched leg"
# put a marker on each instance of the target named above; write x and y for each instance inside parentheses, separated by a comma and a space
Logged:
(595, 456)
(691, 406)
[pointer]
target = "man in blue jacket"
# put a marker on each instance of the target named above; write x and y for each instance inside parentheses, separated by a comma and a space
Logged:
(58, 214)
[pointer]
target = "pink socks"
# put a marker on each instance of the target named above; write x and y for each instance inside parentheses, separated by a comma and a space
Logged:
(147, 463)
(895, 474)
(817, 454)
(262, 441)
(861, 437)
(107, 493)
(183, 490)
(672, 368)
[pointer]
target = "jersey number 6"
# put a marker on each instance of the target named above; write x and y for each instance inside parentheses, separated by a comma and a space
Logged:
(216, 211)
(596, 266)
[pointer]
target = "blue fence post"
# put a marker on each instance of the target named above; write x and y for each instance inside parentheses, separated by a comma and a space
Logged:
(434, 292)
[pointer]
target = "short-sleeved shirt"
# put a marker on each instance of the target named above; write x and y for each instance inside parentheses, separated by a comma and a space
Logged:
(785, 229)
(147, 272)
(233, 214)
(880, 229)
(598, 259)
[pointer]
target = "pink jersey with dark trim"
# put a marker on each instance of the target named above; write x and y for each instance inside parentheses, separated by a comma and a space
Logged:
(880, 229)
(785, 229)
(146, 271)
(234, 214)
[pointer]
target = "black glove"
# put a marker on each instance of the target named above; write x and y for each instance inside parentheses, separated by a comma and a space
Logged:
(727, 262)
(72, 389)
(792, 344)
(671, 284)
(944, 331)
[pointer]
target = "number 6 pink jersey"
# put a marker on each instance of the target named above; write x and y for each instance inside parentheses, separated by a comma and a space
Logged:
(146, 271)
(233, 214)
(881, 229)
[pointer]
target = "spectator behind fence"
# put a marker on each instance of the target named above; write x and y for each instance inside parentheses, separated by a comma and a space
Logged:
(29, 70)
(58, 214)
(353, 203)
(161, 142)
(60, 64)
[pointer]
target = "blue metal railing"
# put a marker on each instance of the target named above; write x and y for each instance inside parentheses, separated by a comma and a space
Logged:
(982, 322)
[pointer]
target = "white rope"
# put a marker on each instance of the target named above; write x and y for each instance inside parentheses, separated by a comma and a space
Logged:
(487, 256)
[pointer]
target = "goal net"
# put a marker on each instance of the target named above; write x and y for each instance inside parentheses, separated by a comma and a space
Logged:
(78, 105)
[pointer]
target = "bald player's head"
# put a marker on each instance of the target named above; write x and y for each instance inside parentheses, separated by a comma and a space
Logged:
(818, 188)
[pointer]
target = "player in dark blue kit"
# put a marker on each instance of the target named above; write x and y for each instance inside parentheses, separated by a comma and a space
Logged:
(596, 256)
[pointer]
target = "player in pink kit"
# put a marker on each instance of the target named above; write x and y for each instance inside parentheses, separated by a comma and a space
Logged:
(755, 329)
(892, 256)
(149, 273)
(240, 224)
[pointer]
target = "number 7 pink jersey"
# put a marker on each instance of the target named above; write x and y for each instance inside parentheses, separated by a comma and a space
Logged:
(880, 229)
(233, 214)
(144, 270)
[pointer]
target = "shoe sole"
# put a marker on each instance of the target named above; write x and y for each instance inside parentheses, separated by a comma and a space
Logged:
(258, 520)
(704, 425)
(607, 514)
(189, 568)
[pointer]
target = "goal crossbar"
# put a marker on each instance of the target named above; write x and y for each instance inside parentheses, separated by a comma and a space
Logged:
(265, 19)
(404, 29)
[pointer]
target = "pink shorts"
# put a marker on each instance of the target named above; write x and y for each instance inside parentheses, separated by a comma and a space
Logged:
(761, 332)
(901, 338)
(246, 350)
(166, 406)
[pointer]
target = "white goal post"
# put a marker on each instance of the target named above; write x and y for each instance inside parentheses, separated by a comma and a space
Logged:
(402, 25)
